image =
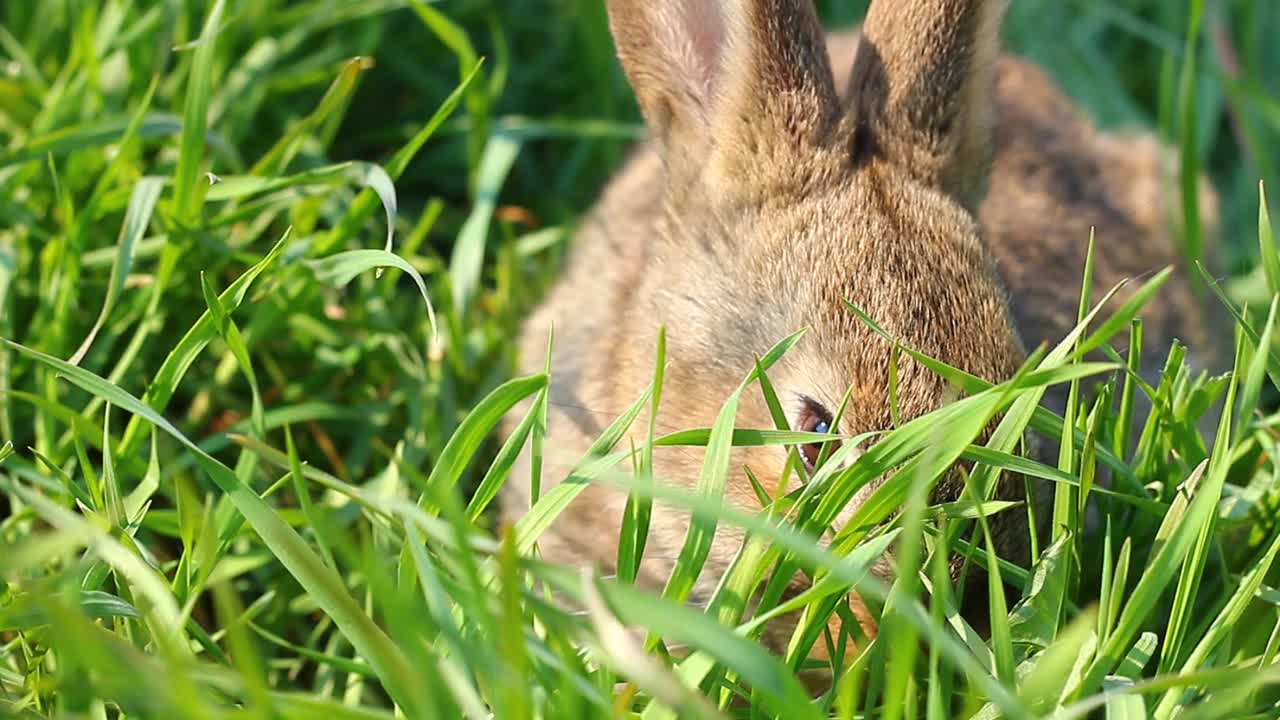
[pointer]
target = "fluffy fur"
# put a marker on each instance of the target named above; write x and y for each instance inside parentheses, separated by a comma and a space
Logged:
(948, 191)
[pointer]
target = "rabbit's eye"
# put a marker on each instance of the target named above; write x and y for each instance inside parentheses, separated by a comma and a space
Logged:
(816, 419)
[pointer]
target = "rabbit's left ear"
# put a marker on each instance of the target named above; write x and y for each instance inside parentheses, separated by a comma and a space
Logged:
(733, 81)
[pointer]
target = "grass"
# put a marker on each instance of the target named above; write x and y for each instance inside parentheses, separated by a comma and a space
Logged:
(248, 470)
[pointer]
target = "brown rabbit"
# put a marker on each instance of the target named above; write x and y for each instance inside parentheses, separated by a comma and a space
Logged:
(766, 198)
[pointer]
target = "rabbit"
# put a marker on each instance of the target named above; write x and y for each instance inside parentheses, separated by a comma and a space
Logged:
(944, 188)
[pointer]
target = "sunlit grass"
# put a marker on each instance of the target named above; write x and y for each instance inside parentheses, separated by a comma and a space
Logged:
(261, 268)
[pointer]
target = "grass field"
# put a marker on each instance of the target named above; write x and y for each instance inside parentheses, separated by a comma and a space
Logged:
(247, 472)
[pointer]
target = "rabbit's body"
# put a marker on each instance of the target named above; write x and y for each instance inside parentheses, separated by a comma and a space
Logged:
(765, 226)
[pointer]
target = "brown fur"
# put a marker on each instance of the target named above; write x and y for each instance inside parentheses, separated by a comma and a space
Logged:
(766, 199)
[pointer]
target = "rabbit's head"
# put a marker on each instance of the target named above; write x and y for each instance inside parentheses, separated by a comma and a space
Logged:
(783, 200)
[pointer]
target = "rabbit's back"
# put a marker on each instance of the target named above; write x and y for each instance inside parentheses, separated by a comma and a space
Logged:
(1055, 178)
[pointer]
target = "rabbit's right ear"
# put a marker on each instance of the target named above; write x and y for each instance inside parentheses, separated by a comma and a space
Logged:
(727, 84)
(923, 86)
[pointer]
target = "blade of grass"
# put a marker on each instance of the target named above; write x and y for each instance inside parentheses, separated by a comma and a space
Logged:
(195, 118)
(636, 514)
(179, 360)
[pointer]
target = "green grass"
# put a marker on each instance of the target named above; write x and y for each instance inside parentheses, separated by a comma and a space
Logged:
(248, 468)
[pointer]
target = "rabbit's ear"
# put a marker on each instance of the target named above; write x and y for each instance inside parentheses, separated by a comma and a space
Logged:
(727, 79)
(922, 89)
